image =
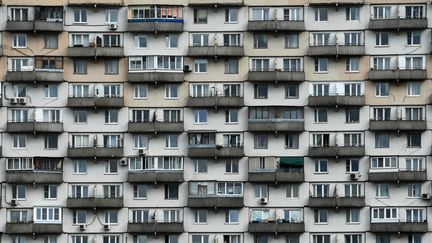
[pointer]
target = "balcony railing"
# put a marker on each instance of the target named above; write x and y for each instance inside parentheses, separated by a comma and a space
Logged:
(213, 150)
(276, 125)
(155, 25)
(162, 76)
(160, 227)
(95, 202)
(336, 50)
(398, 23)
(95, 152)
(34, 176)
(108, 51)
(155, 176)
(28, 227)
(34, 127)
(397, 175)
(96, 102)
(277, 75)
(35, 75)
(276, 25)
(397, 74)
(399, 227)
(337, 151)
(397, 125)
(215, 51)
(215, 101)
(156, 126)
(336, 100)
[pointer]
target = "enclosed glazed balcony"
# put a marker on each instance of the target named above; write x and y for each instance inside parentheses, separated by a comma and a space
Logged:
(156, 69)
(399, 220)
(397, 125)
(95, 102)
(155, 169)
(34, 127)
(284, 169)
(48, 18)
(274, 221)
(21, 221)
(212, 194)
(203, 144)
(396, 169)
(335, 100)
(275, 119)
(158, 18)
(397, 74)
(34, 170)
(215, 101)
(328, 196)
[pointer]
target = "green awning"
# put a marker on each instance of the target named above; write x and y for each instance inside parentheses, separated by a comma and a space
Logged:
(292, 161)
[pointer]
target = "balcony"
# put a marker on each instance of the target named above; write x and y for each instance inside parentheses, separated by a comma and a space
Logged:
(398, 23)
(215, 101)
(95, 2)
(95, 52)
(397, 74)
(275, 25)
(155, 25)
(35, 127)
(156, 76)
(276, 76)
(336, 151)
(276, 125)
(211, 150)
(93, 202)
(154, 176)
(276, 227)
(337, 50)
(95, 102)
(336, 100)
(21, 76)
(156, 227)
(215, 51)
(215, 3)
(156, 127)
(336, 202)
(396, 176)
(35, 176)
(43, 25)
(399, 227)
(17, 26)
(33, 228)
(38, 75)
(397, 125)
(276, 176)
(212, 201)
(93, 152)
(336, 3)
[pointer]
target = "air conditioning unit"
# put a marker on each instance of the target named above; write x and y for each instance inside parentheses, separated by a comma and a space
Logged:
(22, 101)
(13, 203)
(425, 196)
(113, 26)
(186, 68)
(355, 176)
(141, 152)
(82, 227)
(106, 227)
(13, 101)
(123, 162)
(263, 200)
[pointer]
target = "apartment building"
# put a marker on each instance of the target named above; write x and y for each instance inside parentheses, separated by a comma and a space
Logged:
(215, 121)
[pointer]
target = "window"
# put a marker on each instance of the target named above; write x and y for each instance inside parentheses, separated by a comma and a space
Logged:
(20, 64)
(80, 66)
(292, 191)
(415, 238)
(171, 141)
(200, 166)
(413, 38)
(320, 115)
(231, 66)
(382, 140)
(321, 65)
(200, 216)
(171, 91)
(352, 13)
(111, 15)
(111, 167)
(49, 239)
(382, 39)
(140, 141)
(414, 12)
(414, 140)
(414, 114)
(321, 166)
(260, 141)
(352, 165)
(352, 139)
(383, 238)
(353, 215)
(47, 215)
(80, 16)
(111, 239)
(352, 115)
(384, 214)
(321, 39)
(383, 162)
(352, 64)
(382, 190)
(51, 141)
(321, 190)
(110, 217)
(140, 191)
(321, 14)
(353, 238)
(200, 239)
(172, 115)
(79, 216)
(111, 67)
(80, 116)
(414, 63)
(171, 191)
(140, 91)
(19, 141)
(321, 239)
(260, 14)
(51, 41)
(320, 216)
(293, 14)
(80, 191)
(200, 116)
(292, 141)
(414, 190)
(80, 90)
(261, 191)
(231, 15)
(200, 16)
(231, 216)
(171, 41)
(111, 116)
(260, 65)
(414, 164)
(381, 12)
(231, 116)
(18, 192)
(19, 40)
(292, 41)
(19, 14)
(260, 91)
(291, 91)
(200, 39)
(260, 40)
(80, 166)
(200, 66)
(51, 91)
(382, 89)
(231, 166)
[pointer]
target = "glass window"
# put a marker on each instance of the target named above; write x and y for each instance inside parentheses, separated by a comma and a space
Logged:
(200, 15)
(292, 40)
